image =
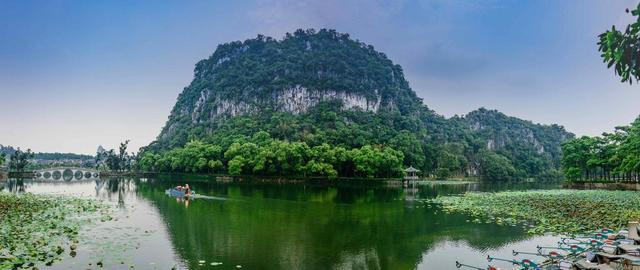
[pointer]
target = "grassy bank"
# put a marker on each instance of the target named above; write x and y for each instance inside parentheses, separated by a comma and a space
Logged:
(551, 211)
(38, 229)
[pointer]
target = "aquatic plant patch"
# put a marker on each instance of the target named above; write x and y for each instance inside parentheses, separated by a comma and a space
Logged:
(549, 211)
(38, 229)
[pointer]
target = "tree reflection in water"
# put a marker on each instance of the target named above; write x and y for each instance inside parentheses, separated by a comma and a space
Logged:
(120, 187)
(280, 226)
(14, 185)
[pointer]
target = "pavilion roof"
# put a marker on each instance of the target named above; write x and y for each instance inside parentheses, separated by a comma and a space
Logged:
(411, 169)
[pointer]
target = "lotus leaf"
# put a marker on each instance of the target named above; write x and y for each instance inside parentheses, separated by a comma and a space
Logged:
(37, 229)
(549, 211)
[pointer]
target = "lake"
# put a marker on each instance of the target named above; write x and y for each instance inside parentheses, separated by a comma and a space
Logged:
(256, 224)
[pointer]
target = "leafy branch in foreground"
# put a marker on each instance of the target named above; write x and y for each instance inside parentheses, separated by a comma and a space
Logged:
(622, 49)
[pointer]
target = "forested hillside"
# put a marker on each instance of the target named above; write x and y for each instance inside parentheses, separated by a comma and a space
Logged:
(323, 89)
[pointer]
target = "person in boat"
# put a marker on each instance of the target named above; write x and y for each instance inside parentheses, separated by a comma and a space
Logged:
(187, 189)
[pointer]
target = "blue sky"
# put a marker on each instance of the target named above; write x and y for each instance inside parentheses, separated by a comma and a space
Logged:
(76, 74)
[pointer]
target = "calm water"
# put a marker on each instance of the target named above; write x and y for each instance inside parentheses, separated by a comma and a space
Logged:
(261, 225)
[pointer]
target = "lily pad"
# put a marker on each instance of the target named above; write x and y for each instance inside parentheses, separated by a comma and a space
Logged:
(37, 229)
(549, 211)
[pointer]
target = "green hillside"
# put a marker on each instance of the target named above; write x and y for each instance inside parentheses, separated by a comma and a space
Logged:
(326, 89)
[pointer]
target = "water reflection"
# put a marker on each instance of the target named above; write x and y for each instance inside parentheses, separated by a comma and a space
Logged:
(119, 188)
(280, 226)
(265, 225)
(13, 186)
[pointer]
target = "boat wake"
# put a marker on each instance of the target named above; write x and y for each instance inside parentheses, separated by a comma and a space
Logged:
(198, 196)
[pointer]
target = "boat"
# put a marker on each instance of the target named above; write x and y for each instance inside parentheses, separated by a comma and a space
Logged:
(601, 250)
(179, 193)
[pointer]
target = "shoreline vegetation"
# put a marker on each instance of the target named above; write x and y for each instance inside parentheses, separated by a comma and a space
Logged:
(610, 158)
(37, 230)
(261, 155)
(548, 211)
(284, 178)
(603, 185)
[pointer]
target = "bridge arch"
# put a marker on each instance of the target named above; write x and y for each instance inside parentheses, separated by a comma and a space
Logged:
(66, 174)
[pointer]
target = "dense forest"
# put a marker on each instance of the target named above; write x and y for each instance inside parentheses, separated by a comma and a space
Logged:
(261, 154)
(323, 89)
(610, 157)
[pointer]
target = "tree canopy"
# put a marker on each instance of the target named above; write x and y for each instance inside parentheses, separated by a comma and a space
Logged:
(610, 157)
(19, 160)
(116, 161)
(262, 155)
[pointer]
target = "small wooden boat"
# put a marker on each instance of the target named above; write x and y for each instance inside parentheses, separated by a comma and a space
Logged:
(179, 193)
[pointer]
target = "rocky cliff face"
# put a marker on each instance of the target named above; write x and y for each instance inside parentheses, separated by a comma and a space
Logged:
(502, 133)
(297, 99)
(290, 75)
(211, 106)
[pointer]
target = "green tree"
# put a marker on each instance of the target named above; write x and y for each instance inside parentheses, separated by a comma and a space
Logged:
(493, 167)
(112, 161)
(236, 165)
(576, 155)
(148, 161)
(117, 161)
(123, 156)
(241, 157)
(215, 166)
(19, 160)
(261, 138)
(629, 151)
(611, 157)
(411, 148)
(622, 49)
(376, 162)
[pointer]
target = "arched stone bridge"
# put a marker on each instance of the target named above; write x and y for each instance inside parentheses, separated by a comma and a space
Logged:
(66, 174)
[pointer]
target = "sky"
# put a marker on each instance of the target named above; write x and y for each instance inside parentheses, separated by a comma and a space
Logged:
(78, 74)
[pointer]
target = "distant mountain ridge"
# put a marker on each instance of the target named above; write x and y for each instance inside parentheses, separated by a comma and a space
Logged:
(9, 150)
(324, 87)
